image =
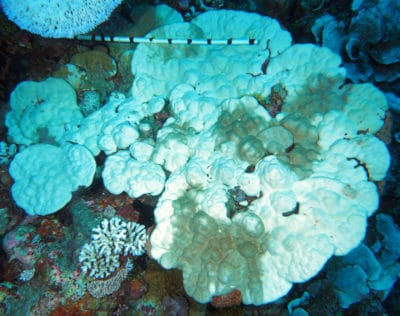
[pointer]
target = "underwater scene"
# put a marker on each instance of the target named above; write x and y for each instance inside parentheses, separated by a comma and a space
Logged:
(199, 157)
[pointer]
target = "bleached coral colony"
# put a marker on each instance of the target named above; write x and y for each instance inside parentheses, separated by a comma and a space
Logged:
(265, 164)
(110, 240)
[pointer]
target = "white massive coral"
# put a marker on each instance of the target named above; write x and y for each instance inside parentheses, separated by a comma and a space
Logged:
(45, 176)
(41, 111)
(279, 179)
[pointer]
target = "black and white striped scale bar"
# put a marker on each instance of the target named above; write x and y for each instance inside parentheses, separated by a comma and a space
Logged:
(153, 40)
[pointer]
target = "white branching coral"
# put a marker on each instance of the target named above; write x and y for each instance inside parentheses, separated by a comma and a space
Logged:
(97, 264)
(111, 239)
(135, 239)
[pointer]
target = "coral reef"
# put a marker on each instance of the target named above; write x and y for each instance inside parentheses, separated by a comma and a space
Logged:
(214, 131)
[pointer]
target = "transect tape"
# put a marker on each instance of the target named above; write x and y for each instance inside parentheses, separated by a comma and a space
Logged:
(152, 40)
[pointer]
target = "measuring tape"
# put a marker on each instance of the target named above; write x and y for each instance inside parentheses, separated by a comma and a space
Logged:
(174, 41)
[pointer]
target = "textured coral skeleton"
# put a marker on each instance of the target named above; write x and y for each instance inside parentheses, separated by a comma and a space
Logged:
(110, 240)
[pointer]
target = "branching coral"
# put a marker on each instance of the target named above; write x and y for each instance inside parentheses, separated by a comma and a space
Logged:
(110, 240)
